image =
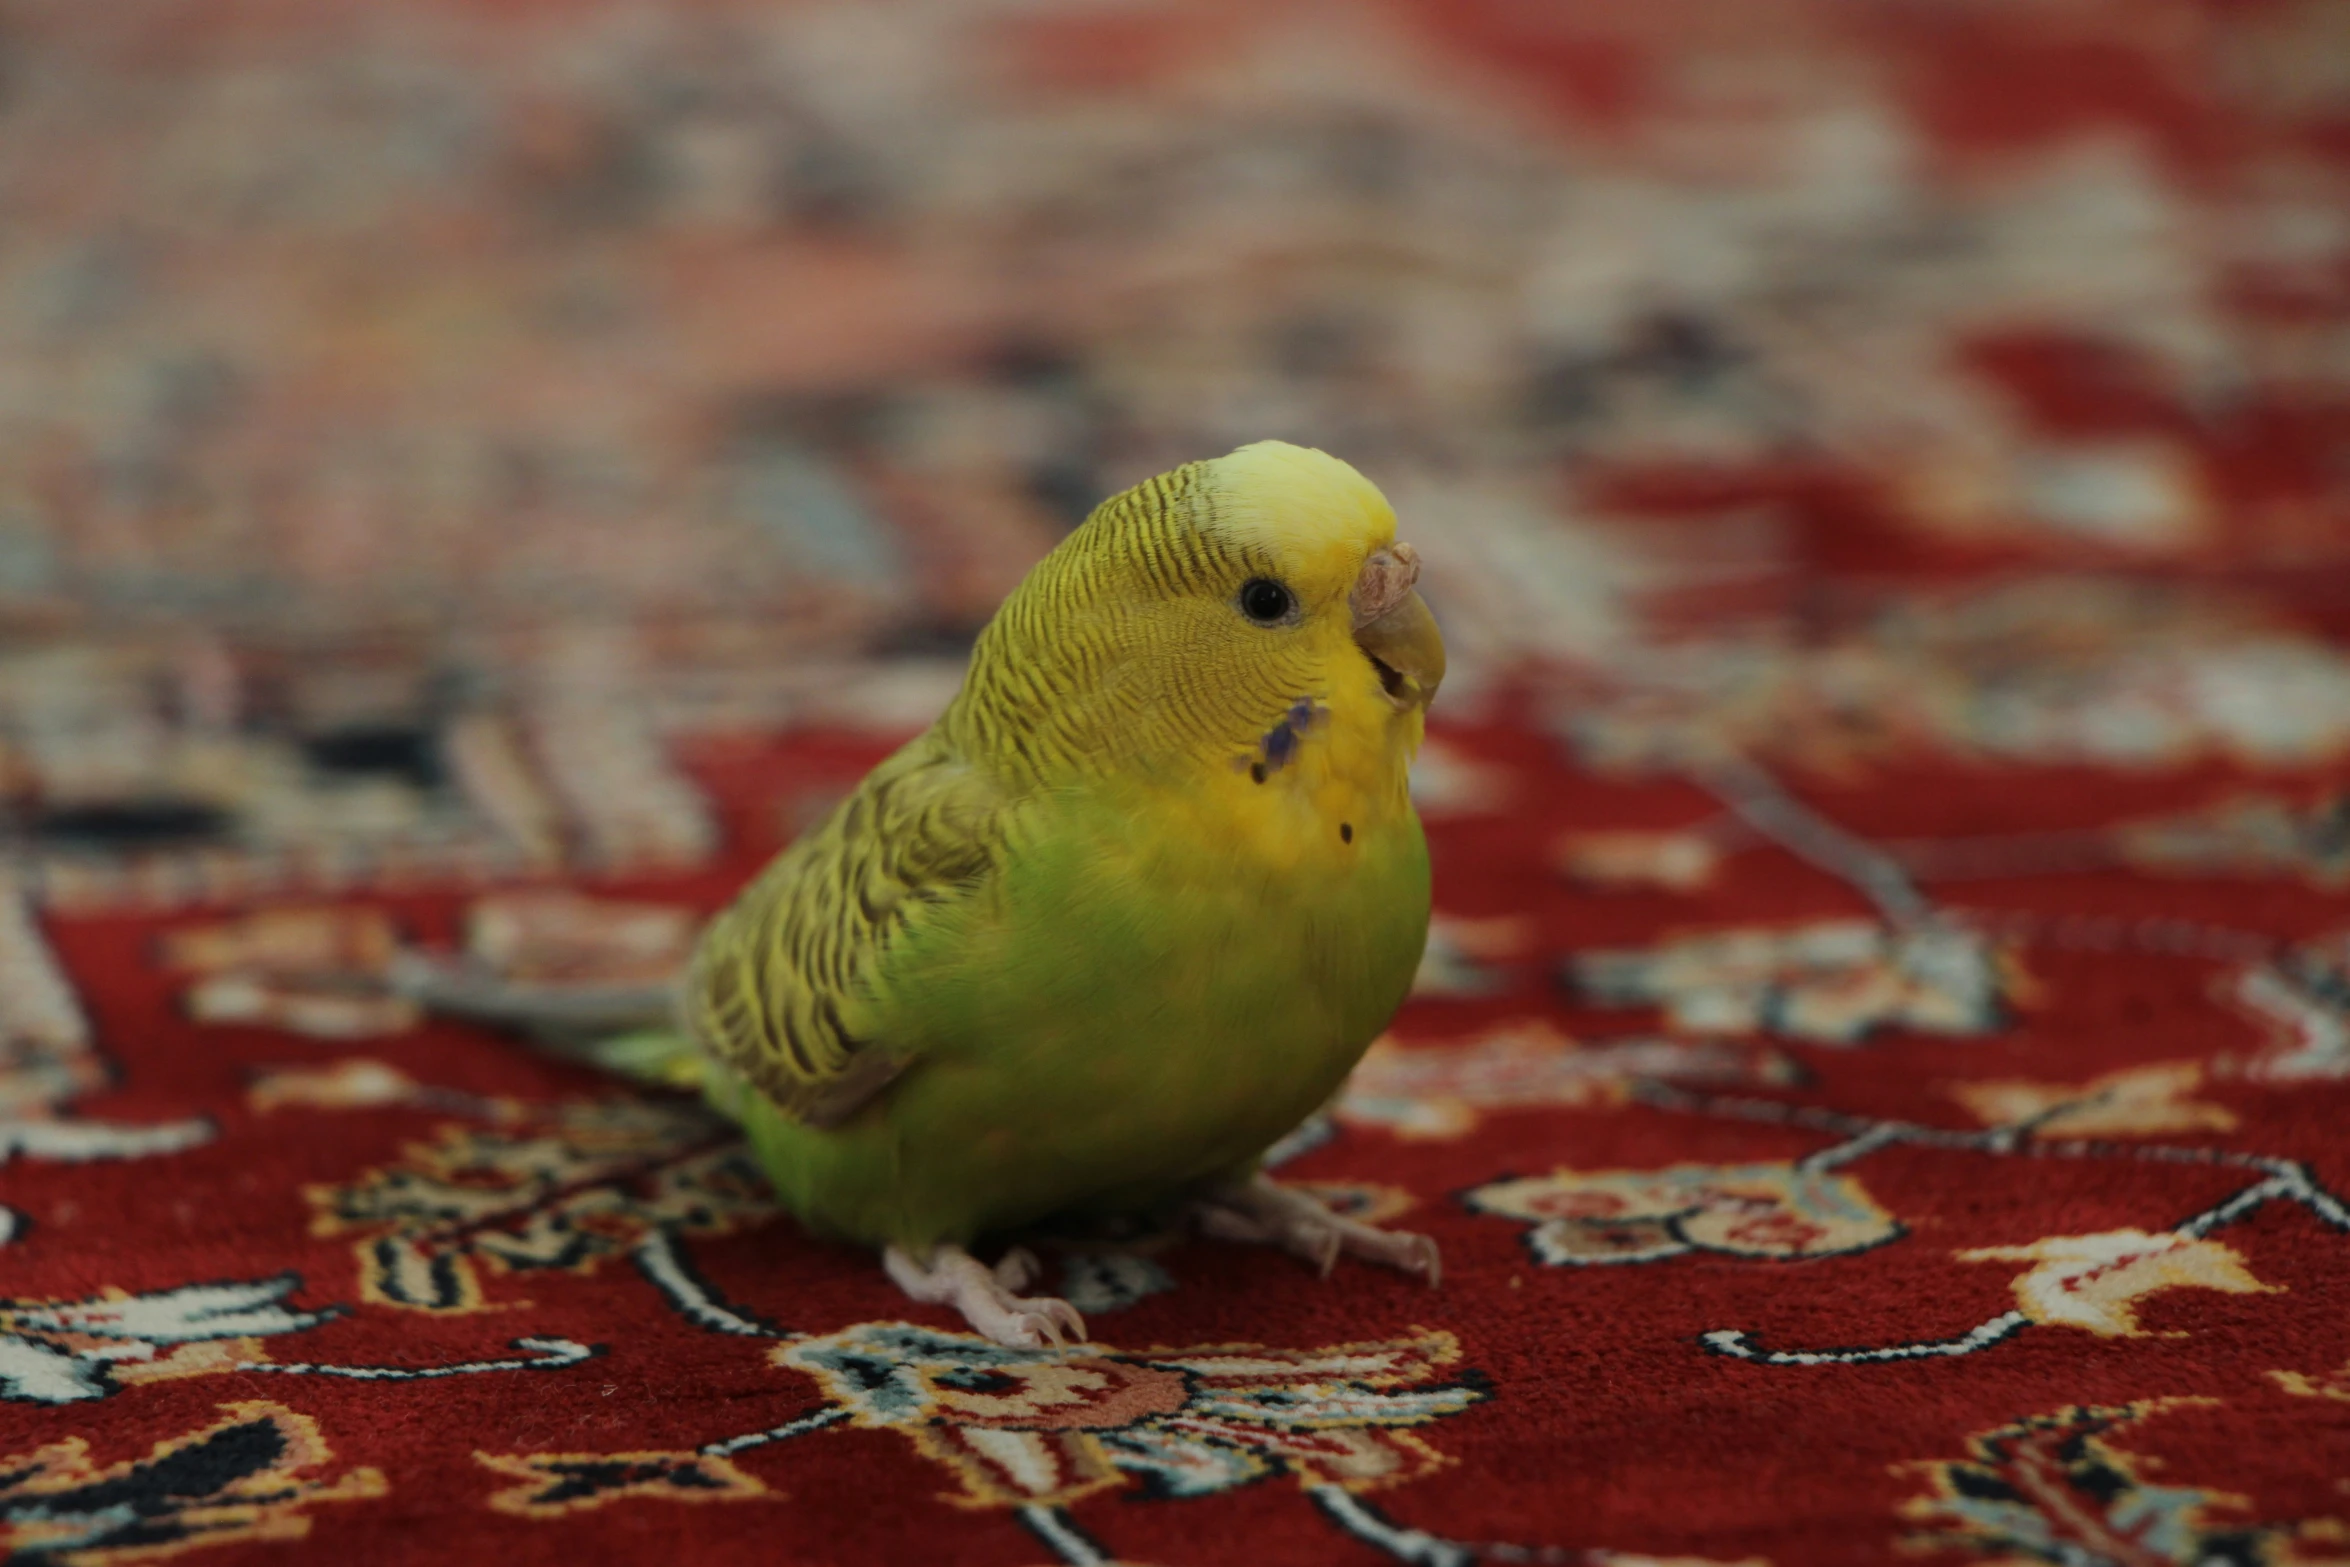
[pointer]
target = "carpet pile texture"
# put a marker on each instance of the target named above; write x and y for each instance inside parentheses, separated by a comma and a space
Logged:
(1800, 1201)
(480, 478)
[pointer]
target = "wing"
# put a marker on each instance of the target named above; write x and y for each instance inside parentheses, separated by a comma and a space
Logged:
(781, 988)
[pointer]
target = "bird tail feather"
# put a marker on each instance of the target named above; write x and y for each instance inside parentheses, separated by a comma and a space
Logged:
(630, 1031)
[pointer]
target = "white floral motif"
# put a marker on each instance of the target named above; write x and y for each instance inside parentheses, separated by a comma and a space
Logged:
(60, 1352)
(1833, 981)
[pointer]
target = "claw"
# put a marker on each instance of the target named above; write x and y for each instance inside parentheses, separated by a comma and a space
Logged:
(1263, 1213)
(1056, 1320)
(988, 1298)
(1034, 1330)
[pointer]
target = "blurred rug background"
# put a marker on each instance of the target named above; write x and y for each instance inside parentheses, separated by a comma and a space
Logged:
(486, 475)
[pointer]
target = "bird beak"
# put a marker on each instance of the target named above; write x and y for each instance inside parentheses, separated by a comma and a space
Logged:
(1394, 628)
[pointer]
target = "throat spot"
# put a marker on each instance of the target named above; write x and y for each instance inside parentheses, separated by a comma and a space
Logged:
(1280, 743)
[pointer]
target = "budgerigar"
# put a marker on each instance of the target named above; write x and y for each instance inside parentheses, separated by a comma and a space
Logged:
(1127, 913)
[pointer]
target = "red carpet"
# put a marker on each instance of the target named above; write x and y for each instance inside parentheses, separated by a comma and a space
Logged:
(2006, 1226)
(1880, 1074)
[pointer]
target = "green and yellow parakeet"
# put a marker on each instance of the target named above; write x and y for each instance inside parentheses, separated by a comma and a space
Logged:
(1127, 913)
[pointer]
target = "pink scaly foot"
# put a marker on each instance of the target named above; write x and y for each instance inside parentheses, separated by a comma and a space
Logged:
(988, 1299)
(1262, 1213)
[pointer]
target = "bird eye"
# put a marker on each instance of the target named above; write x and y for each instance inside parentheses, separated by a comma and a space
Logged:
(1265, 601)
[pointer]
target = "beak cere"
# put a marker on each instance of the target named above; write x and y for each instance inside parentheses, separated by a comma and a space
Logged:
(1394, 628)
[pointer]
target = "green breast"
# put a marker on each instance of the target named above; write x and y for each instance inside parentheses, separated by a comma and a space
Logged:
(1124, 1012)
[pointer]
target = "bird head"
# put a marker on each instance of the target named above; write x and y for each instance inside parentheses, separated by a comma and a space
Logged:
(1191, 611)
(1317, 541)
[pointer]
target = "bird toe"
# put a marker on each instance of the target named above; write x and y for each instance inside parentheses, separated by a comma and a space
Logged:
(1022, 1330)
(1018, 1269)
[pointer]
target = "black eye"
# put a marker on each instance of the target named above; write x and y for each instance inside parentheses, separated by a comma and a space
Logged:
(1265, 601)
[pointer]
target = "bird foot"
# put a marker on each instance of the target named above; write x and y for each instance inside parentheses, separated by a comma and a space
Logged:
(1261, 1213)
(988, 1297)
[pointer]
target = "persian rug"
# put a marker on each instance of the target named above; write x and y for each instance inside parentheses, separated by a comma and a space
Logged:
(1831, 1163)
(480, 478)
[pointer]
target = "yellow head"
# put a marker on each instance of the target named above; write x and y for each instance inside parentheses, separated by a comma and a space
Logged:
(1190, 613)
